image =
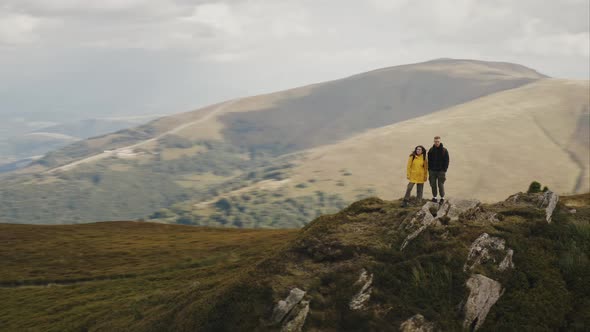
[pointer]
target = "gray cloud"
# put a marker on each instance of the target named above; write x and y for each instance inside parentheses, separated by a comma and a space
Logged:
(145, 56)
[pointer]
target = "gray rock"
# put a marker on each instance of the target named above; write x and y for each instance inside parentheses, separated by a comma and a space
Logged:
(479, 213)
(549, 202)
(412, 236)
(360, 300)
(422, 219)
(573, 211)
(481, 250)
(285, 306)
(416, 323)
(458, 206)
(507, 261)
(423, 216)
(484, 292)
(296, 318)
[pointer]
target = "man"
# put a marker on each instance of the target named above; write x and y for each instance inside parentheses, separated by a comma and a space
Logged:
(438, 163)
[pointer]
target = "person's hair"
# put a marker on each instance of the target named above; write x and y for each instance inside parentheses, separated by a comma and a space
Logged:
(413, 154)
(436, 137)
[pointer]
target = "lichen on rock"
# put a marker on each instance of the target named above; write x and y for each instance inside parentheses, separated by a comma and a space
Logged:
(282, 312)
(483, 250)
(416, 323)
(484, 292)
(360, 300)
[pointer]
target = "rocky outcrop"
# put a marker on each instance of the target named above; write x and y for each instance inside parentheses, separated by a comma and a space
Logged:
(291, 312)
(479, 213)
(485, 248)
(484, 292)
(454, 207)
(436, 214)
(420, 221)
(360, 300)
(416, 323)
(549, 202)
(296, 318)
(507, 261)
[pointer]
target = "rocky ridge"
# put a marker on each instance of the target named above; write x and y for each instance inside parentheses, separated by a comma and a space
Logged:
(459, 265)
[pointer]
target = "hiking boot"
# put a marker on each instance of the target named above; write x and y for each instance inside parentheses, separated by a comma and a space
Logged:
(434, 200)
(442, 200)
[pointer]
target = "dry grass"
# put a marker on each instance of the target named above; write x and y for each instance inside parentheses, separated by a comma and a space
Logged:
(127, 272)
(498, 145)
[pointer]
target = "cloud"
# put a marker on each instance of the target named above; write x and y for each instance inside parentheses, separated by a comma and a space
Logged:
(17, 29)
(228, 48)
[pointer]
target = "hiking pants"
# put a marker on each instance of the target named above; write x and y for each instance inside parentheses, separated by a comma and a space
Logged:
(437, 179)
(420, 189)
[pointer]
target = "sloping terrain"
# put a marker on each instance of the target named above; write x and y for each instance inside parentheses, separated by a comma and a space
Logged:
(109, 276)
(21, 139)
(321, 113)
(178, 163)
(374, 266)
(497, 144)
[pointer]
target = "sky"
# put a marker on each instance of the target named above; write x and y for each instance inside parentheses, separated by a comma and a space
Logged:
(86, 58)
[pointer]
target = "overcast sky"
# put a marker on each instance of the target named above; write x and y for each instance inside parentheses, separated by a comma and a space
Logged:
(154, 56)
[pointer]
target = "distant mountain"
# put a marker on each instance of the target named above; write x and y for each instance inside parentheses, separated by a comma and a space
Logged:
(24, 142)
(323, 113)
(374, 266)
(282, 159)
(89, 127)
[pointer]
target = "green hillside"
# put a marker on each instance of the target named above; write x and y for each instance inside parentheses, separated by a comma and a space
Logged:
(345, 272)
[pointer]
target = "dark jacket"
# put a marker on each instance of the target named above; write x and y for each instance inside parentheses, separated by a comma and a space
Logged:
(438, 158)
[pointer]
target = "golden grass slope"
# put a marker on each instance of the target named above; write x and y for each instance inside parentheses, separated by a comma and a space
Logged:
(498, 144)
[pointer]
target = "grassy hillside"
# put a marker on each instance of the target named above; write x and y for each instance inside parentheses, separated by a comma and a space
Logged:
(321, 113)
(138, 276)
(22, 139)
(113, 275)
(497, 144)
(187, 162)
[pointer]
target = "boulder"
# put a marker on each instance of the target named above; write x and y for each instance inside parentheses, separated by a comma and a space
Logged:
(549, 202)
(484, 292)
(416, 323)
(455, 207)
(296, 318)
(360, 300)
(483, 249)
(507, 261)
(285, 306)
(421, 220)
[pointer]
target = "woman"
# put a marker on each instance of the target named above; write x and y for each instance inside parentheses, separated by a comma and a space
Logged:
(417, 172)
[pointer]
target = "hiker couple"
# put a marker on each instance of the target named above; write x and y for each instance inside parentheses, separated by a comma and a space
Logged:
(432, 165)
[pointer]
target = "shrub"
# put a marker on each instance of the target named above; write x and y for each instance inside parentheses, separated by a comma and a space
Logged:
(534, 187)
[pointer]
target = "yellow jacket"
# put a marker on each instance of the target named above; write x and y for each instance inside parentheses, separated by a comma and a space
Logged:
(417, 171)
